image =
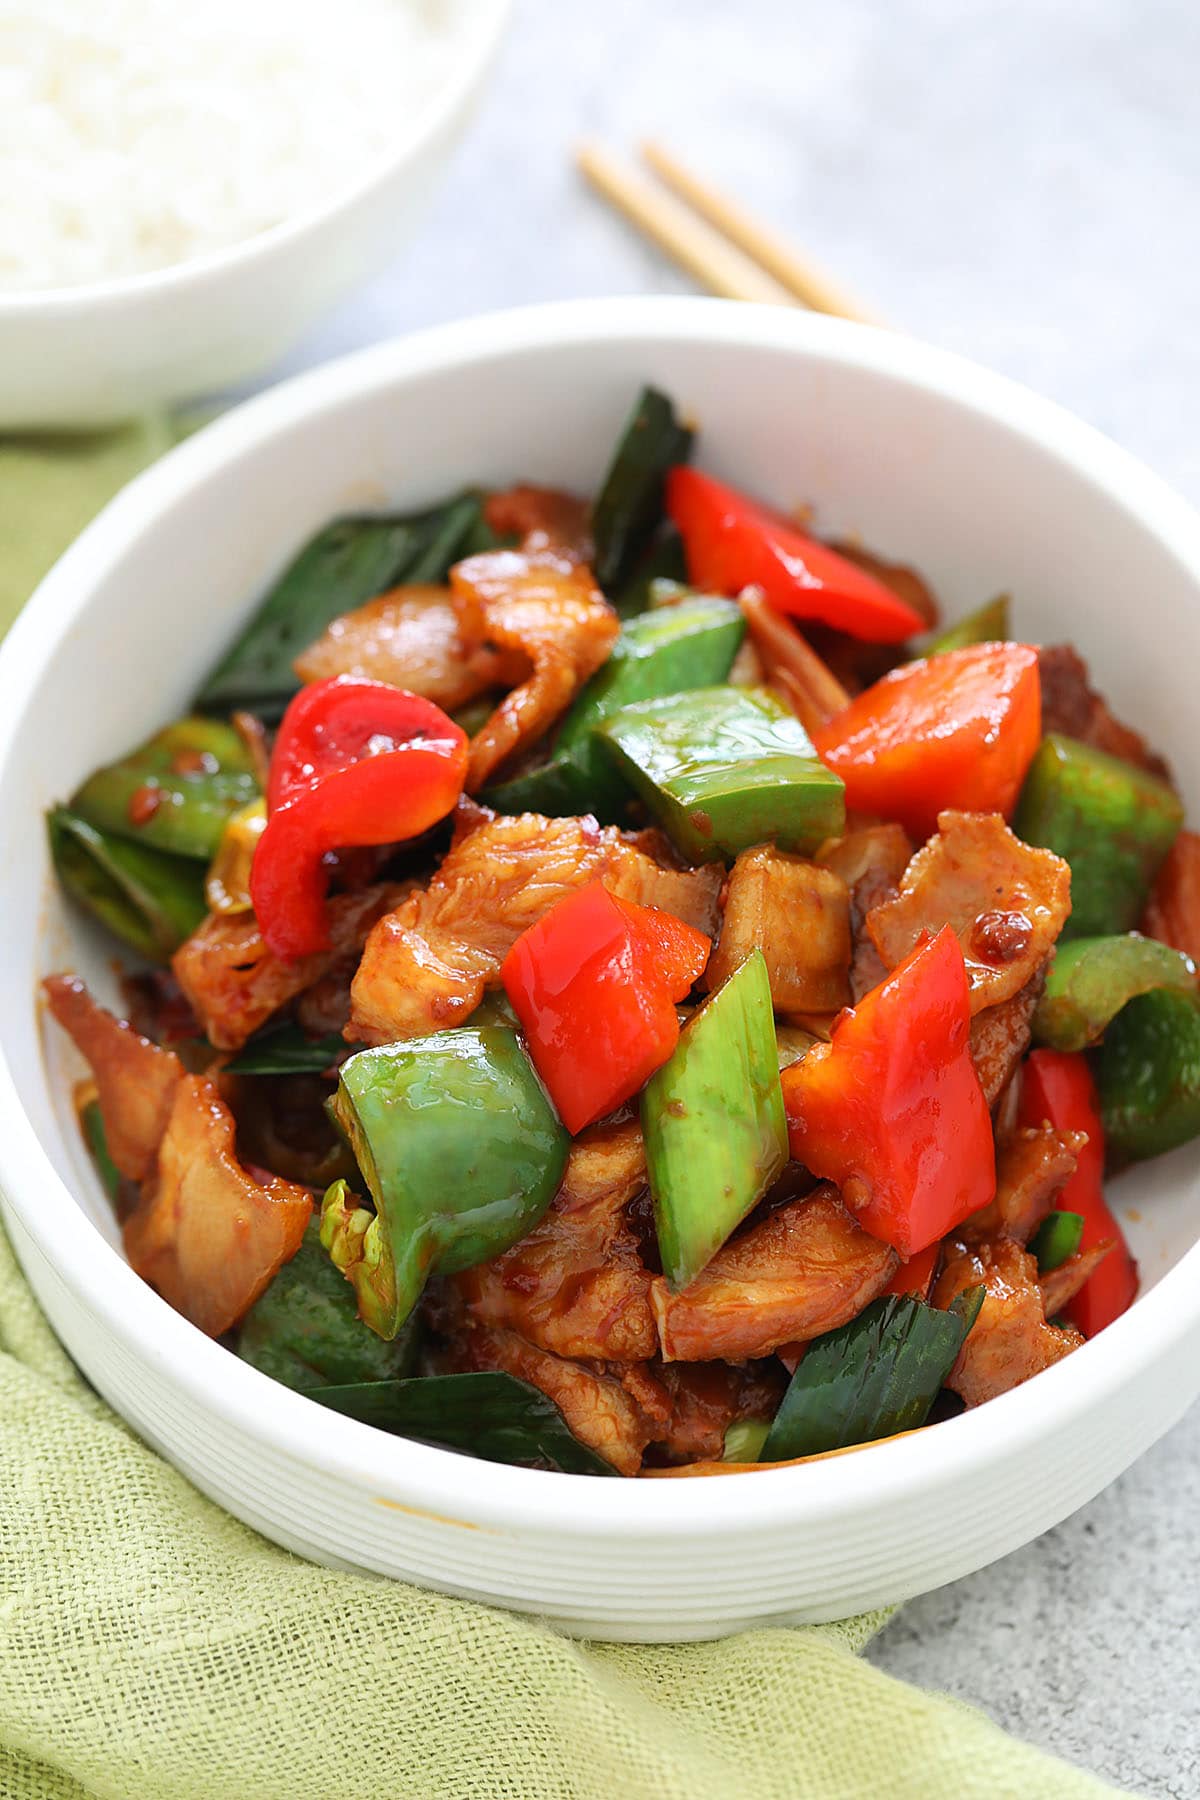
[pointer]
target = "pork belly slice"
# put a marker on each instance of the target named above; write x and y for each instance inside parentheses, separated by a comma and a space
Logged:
(426, 965)
(804, 1269)
(1005, 900)
(576, 1284)
(1010, 1341)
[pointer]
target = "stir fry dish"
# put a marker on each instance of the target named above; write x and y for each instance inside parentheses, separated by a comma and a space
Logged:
(617, 990)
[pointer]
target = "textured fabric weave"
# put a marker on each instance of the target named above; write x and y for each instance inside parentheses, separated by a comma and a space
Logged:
(151, 1648)
(50, 487)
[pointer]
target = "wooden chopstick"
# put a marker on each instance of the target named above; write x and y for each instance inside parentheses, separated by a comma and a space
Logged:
(705, 253)
(712, 237)
(800, 276)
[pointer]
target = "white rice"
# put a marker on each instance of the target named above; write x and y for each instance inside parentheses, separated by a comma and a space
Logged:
(139, 133)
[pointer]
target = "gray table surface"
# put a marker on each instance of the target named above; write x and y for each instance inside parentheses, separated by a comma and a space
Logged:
(1014, 179)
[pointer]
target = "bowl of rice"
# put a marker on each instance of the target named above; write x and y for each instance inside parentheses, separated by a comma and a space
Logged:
(185, 190)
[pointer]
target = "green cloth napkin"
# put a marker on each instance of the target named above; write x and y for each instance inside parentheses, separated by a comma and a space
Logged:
(50, 487)
(151, 1648)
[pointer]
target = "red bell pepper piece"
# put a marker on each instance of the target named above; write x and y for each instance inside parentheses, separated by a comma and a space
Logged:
(355, 762)
(675, 951)
(594, 983)
(1057, 1089)
(953, 731)
(892, 1110)
(732, 543)
(916, 1275)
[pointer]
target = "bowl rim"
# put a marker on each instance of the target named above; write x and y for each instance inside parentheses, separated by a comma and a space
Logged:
(441, 1483)
(481, 26)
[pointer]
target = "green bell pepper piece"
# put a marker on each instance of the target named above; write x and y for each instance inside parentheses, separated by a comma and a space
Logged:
(150, 900)
(1091, 979)
(1148, 1075)
(987, 625)
(346, 564)
(193, 775)
(1057, 1237)
(724, 768)
(686, 646)
(714, 1124)
(486, 1413)
(1112, 822)
(305, 1330)
(629, 507)
(876, 1376)
(554, 786)
(462, 1152)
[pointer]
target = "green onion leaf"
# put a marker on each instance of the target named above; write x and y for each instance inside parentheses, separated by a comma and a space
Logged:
(872, 1378)
(341, 568)
(966, 1305)
(287, 1050)
(664, 562)
(96, 1138)
(305, 1330)
(488, 1414)
(629, 507)
(455, 530)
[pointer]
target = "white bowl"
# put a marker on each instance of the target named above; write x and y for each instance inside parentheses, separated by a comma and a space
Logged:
(981, 485)
(105, 351)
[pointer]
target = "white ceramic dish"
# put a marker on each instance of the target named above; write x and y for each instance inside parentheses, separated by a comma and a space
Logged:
(89, 355)
(982, 486)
